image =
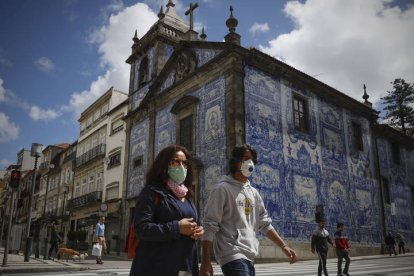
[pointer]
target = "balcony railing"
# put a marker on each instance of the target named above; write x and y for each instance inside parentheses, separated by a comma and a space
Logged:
(98, 151)
(44, 165)
(91, 198)
(69, 157)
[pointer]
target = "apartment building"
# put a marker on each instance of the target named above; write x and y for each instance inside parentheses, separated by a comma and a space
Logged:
(98, 173)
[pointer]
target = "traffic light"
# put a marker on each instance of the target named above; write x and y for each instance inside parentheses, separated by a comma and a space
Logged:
(15, 179)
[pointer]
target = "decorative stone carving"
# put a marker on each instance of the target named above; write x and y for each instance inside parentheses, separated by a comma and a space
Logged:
(186, 63)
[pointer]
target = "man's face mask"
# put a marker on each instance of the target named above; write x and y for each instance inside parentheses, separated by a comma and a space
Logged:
(247, 167)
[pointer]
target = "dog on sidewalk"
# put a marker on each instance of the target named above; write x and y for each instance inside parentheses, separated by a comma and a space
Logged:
(68, 253)
(81, 257)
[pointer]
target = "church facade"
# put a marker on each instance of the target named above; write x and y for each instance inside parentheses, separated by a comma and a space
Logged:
(319, 151)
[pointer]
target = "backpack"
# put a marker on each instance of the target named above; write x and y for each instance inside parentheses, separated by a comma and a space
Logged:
(133, 239)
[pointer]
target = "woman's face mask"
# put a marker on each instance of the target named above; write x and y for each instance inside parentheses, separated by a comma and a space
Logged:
(177, 174)
(247, 167)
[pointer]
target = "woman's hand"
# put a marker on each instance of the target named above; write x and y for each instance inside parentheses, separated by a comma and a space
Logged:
(198, 232)
(187, 226)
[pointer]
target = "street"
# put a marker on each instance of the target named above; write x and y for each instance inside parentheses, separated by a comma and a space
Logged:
(385, 266)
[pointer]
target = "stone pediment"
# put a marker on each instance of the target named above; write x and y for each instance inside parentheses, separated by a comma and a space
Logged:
(183, 63)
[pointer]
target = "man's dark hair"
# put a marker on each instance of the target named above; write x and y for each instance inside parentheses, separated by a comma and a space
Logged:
(237, 156)
(339, 224)
(157, 174)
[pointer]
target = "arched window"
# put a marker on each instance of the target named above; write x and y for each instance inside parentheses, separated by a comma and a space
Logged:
(143, 76)
(185, 110)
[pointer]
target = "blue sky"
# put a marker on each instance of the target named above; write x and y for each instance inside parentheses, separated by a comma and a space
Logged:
(57, 57)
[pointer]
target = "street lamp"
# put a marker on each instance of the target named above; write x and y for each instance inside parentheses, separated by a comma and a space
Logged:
(36, 152)
(65, 192)
(51, 166)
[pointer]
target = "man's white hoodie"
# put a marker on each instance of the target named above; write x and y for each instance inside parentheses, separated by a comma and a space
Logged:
(233, 214)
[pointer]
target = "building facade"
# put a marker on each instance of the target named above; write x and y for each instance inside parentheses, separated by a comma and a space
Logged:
(319, 150)
(99, 149)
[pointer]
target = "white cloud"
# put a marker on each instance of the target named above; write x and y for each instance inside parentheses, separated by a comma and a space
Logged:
(9, 131)
(114, 42)
(5, 163)
(259, 28)
(349, 43)
(44, 64)
(2, 92)
(38, 114)
(3, 60)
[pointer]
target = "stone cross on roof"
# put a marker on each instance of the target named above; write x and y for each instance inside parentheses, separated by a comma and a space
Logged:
(190, 11)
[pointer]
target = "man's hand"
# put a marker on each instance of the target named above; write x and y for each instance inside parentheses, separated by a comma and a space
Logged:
(290, 253)
(206, 269)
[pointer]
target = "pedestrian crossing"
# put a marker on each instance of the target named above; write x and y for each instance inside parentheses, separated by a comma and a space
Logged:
(370, 267)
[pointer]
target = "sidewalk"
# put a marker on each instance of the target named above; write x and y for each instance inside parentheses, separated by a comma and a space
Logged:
(16, 264)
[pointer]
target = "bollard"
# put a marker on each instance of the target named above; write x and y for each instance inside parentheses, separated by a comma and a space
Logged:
(45, 255)
(28, 249)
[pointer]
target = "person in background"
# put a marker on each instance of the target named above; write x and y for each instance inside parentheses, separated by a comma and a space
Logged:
(100, 238)
(390, 243)
(234, 213)
(342, 249)
(54, 239)
(166, 219)
(401, 243)
(319, 244)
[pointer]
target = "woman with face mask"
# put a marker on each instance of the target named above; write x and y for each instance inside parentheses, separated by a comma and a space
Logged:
(165, 218)
(234, 213)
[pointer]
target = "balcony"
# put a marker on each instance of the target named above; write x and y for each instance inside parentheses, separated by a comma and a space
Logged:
(88, 199)
(96, 152)
(69, 157)
(44, 165)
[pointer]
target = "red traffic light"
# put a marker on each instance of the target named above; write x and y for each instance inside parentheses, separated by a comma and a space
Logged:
(15, 175)
(15, 178)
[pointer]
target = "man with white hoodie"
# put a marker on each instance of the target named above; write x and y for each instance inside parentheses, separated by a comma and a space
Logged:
(233, 215)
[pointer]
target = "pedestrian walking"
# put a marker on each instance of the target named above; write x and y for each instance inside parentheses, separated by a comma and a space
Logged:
(390, 243)
(319, 244)
(233, 214)
(342, 249)
(401, 243)
(165, 218)
(100, 238)
(54, 239)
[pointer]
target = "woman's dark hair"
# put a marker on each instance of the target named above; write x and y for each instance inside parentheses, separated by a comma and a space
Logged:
(157, 175)
(237, 156)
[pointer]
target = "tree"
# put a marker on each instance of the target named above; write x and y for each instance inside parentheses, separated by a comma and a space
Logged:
(399, 104)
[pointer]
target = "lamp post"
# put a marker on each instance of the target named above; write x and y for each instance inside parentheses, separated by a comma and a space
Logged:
(6, 246)
(65, 192)
(51, 166)
(36, 152)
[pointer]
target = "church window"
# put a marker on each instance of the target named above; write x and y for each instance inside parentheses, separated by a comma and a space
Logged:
(138, 161)
(143, 72)
(357, 136)
(300, 113)
(185, 110)
(386, 191)
(186, 132)
(395, 152)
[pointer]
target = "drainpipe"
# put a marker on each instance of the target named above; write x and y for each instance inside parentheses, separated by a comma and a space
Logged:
(381, 192)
